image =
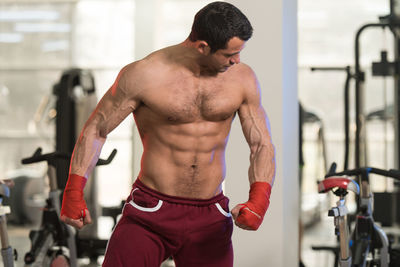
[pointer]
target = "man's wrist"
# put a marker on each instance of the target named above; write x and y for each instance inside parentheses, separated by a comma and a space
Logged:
(75, 182)
(252, 212)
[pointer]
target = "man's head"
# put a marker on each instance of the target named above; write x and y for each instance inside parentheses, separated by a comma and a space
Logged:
(219, 22)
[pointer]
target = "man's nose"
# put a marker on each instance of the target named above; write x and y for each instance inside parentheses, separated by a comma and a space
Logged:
(235, 59)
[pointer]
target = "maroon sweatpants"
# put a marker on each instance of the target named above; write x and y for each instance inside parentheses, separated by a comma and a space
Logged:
(154, 226)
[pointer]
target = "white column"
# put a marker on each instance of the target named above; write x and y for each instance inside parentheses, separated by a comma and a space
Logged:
(272, 53)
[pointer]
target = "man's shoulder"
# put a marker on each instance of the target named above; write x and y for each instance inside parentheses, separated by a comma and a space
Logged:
(243, 74)
(146, 73)
(155, 62)
(143, 69)
(244, 70)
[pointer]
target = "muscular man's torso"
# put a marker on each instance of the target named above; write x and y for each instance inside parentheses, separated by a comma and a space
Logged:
(184, 123)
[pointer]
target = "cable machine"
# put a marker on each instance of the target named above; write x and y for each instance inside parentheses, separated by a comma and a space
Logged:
(383, 68)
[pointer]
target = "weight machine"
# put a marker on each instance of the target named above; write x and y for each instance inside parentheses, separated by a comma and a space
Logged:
(382, 68)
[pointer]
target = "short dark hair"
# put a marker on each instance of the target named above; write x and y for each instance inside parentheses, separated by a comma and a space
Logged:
(217, 23)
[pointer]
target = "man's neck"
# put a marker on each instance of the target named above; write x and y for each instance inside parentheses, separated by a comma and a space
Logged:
(196, 61)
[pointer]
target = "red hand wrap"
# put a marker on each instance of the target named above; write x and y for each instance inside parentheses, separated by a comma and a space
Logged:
(73, 205)
(253, 211)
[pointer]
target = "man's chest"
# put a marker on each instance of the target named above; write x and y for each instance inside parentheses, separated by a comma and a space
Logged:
(188, 101)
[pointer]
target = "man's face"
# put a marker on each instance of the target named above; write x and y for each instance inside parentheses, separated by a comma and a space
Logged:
(224, 58)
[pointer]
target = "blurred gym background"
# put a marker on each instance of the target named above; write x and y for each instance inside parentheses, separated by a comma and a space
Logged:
(42, 40)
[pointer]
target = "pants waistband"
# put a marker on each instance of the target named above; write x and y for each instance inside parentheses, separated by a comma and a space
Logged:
(178, 200)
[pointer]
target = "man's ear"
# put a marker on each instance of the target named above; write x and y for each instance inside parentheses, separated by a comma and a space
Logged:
(203, 47)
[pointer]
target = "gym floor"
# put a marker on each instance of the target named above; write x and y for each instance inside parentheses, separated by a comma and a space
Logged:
(319, 234)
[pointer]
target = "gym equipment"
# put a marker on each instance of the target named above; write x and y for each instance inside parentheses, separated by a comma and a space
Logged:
(27, 196)
(56, 242)
(383, 68)
(7, 252)
(74, 100)
(346, 98)
(368, 245)
(340, 212)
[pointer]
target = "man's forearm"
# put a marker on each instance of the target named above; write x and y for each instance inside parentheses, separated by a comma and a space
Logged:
(84, 158)
(86, 152)
(262, 164)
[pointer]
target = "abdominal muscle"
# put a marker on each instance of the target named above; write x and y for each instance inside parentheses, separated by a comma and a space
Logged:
(182, 163)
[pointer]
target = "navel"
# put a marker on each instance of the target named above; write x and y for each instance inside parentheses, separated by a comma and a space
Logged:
(170, 118)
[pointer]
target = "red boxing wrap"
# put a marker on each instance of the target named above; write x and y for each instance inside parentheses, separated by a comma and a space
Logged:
(73, 205)
(253, 211)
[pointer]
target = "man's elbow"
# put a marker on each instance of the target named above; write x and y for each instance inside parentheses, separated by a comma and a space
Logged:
(94, 131)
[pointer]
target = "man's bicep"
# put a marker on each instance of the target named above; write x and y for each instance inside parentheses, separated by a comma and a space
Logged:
(252, 115)
(116, 104)
(111, 111)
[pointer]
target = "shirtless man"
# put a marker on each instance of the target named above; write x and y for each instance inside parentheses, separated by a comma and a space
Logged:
(184, 99)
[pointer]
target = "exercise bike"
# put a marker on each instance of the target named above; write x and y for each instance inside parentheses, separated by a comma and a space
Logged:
(7, 252)
(55, 243)
(368, 244)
